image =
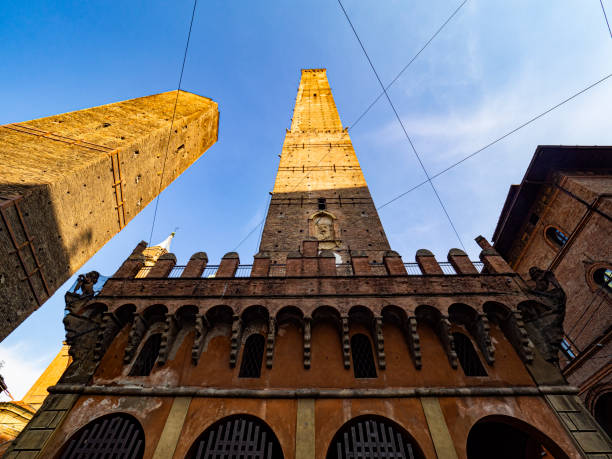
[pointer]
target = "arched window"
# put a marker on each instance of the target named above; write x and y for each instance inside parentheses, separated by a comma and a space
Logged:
(116, 435)
(603, 412)
(503, 437)
(252, 357)
(556, 236)
(371, 437)
(237, 437)
(603, 278)
(147, 357)
(363, 359)
(468, 358)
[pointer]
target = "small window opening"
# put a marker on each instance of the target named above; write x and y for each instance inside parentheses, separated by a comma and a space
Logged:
(322, 204)
(467, 356)
(363, 359)
(252, 357)
(567, 349)
(603, 278)
(556, 236)
(147, 357)
(533, 219)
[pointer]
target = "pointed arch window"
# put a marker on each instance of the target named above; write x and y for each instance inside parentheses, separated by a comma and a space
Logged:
(252, 357)
(556, 236)
(148, 355)
(116, 435)
(468, 358)
(363, 358)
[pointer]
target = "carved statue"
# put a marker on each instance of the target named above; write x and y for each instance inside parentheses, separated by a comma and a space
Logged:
(544, 320)
(86, 283)
(324, 228)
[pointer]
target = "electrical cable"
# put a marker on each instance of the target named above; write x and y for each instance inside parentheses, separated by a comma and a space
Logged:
(408, 64)
(605, 17)
(402, 125)
(161, 179)
(480, 150)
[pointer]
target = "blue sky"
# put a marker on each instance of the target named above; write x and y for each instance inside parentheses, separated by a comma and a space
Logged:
(494, 66)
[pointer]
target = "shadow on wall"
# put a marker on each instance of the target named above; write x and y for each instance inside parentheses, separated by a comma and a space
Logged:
(34, 260)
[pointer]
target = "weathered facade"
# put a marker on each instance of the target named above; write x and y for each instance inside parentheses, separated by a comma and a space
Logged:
(560, 219)
(70, 182)
(15, 415)
(327, 346)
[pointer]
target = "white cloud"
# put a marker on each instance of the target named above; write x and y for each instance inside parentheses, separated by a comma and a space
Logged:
(21, 371)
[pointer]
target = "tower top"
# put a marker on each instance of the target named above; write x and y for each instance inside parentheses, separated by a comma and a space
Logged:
(315, 109)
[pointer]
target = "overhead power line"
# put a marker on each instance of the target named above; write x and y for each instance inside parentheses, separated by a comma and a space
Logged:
(408, 64)
(399, 120)
(480, 150)
(161, 179)
(605, 17)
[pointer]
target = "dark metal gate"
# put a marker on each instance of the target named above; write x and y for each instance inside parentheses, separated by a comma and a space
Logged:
(238, 438)
(116, 436)
(370, 439)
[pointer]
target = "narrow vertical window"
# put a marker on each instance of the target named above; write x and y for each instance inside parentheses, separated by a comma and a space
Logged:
(252, 357)
(468, 358)
(322, 204)
(363, 359)
(147, 357)
(556, 236)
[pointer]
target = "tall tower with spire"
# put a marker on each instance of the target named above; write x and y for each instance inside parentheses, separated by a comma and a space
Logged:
(327, 346)
(320, 191)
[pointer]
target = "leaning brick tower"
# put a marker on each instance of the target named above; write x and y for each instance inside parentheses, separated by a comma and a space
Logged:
(70, 182)
(327, 346)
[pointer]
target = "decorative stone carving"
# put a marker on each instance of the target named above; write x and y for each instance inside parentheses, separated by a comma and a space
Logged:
(480, 330)
(323, 226)
(270, 342)
(201, 329)
(137, 332)
(235, 341)
(414, 342)
(346, 342)
(108, 330)
(380, 343)
(86, 282)
(168, 336)
(544, 318)
(444, 332)
(307, 341)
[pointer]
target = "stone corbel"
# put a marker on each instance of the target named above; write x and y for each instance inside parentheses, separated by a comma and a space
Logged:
(514, 329)
(346, 342)
(201, 329)
(480, 330)
(137, 332)
(108, 330)
(380, 343)
(168, 336)
(444, 332)
(307, 341)
(270, 342)
(235, 343)
(414, 342)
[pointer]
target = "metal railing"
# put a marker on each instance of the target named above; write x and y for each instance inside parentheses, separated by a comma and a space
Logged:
(413, 269)
(277, 270)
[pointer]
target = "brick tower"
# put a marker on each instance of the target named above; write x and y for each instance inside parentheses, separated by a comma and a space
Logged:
(320, 192)
(70, 182)
(327, 346)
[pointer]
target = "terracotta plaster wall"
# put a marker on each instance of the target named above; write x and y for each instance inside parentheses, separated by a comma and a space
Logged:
(327, 369)
(462, 413)
(332, 414)
(279, 415)
(151, 412)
